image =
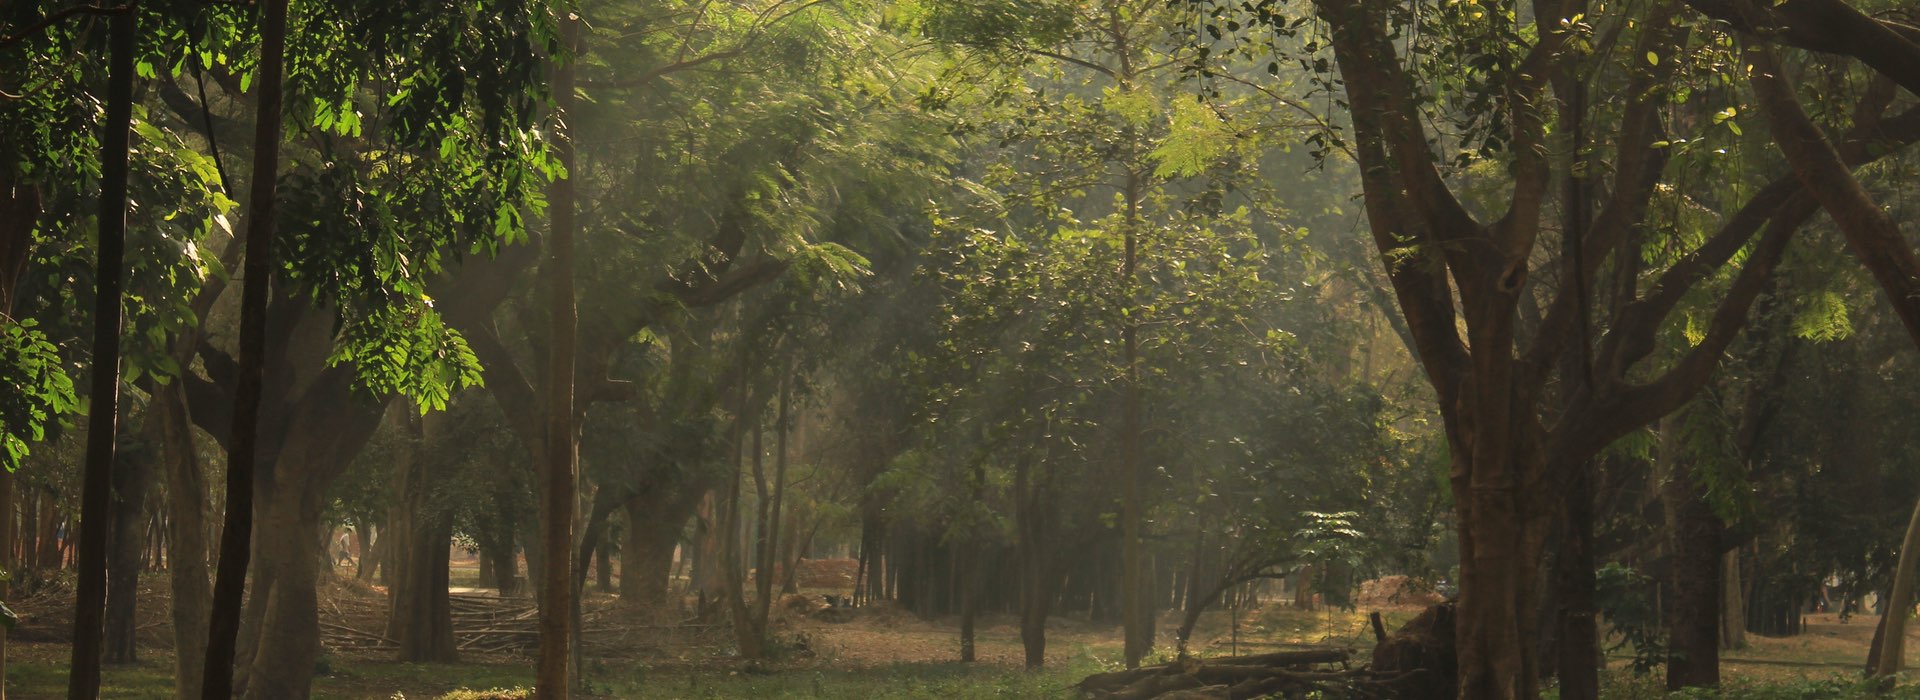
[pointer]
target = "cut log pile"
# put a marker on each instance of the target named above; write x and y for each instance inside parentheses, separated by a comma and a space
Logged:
(1415, 662)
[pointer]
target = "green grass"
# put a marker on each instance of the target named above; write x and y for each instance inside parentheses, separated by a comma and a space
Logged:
(151, 678)
(381, 681)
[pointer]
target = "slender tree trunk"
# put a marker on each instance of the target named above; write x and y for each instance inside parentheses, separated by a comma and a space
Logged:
(257, 270)
(744, 635)
(363, 534)
(1133, 600)
(969, 598)
(83, 682)
(186, 540)
(603, 565)
(19, 213)
(7, 559)
(770, 524)
(556, 591)
(708, 577)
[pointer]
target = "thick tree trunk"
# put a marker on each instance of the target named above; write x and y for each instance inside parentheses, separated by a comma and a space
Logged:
(286, 569)
(420, 614)
(506, 567)
(1578, 635)
(1893, 647)
(1733, 621)
(257, 270)
(1693, 625)
(646, 559)
(1500, 544)
(1303, 587)
(126, 542)
(83, 680)
(556, 453)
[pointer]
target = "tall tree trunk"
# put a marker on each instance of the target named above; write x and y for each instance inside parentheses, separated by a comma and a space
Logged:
(19, 212)
(770, 524)
(7, 559)
(1133, 599)
(257, 271)
(744, 635)
(186, 540)
(126, 542)
(83, 682)
(557, 456)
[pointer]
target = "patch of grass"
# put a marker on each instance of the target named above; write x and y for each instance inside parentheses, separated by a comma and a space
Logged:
(151, 678)
(366, 680)
(1624, 685)
(908, 681)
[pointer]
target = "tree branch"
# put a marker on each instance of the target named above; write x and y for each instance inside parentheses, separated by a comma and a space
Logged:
(1827, 26)
(1873, 236)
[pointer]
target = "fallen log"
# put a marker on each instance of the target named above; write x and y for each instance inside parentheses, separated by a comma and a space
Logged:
(1256, 675)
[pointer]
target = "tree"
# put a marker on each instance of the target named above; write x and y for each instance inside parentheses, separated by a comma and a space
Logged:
(558, 484)
(236, 536)
(90, 600)
(1545, 377)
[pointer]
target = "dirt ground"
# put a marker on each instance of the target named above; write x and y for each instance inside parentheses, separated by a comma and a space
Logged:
(626, 645)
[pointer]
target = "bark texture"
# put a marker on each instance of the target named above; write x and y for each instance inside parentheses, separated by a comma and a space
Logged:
(257, 267)
(96, 498)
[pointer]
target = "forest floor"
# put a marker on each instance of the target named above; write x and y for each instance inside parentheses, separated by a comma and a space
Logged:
(870, 654)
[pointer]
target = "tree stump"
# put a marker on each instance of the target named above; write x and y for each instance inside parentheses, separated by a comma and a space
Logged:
(1420, 656)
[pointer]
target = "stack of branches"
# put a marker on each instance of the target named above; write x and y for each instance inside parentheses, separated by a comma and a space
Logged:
(488, 624)
(1319, 673)
(492, 624)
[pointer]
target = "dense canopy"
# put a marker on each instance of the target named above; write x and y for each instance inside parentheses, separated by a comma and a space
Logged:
(958, 348)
